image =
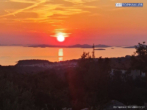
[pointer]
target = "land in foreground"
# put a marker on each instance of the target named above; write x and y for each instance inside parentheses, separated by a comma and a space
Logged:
(85, 83)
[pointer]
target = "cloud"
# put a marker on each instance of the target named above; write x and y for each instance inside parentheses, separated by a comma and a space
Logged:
(24, 1)
(80, 1)
(49, 11)
(52, 12)
(21, 10)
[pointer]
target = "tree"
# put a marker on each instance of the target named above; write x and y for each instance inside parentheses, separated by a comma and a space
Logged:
(13, 98)
(141, 50)
(85, 61)
(139, 59)
(93, 54)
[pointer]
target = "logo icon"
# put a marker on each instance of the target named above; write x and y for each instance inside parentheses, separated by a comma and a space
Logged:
(118, 4)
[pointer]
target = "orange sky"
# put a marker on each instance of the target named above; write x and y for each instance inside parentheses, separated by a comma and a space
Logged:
(87, 21)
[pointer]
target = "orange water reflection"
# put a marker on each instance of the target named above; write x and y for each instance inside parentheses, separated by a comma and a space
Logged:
(9, 55)
(60, 54)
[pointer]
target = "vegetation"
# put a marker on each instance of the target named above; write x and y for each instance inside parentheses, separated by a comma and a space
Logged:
(140, 61)
(89, 85)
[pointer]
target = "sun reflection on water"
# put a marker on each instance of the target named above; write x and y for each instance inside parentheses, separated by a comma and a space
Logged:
(60, 54)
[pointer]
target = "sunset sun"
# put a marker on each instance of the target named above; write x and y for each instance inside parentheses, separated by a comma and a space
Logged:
(60, 38)
(60, 35)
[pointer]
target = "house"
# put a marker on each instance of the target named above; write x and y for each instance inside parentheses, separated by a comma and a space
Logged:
(133, 73)
(137, 73)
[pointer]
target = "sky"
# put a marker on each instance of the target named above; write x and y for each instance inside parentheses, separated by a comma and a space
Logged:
(26, 22)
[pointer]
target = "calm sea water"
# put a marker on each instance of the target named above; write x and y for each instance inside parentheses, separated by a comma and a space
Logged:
(9, 55)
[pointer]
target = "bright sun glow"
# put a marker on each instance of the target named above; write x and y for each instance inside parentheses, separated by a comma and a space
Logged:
(60, 37)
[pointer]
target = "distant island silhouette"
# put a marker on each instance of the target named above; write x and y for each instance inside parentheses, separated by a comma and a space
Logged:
(99, 49)
(71, 46)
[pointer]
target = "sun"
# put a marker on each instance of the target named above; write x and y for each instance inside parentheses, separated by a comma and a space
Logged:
(60, 38)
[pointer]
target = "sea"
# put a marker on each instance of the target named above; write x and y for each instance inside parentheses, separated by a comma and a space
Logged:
(10, 55)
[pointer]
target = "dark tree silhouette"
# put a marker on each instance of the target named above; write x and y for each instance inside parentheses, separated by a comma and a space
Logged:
(139, 59)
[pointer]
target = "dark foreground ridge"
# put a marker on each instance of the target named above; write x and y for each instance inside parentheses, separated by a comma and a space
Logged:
(32, 62)
(88, 82)
(77, 84)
